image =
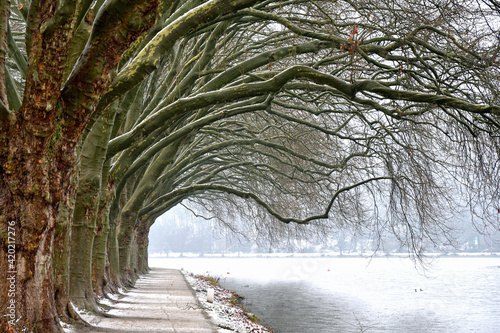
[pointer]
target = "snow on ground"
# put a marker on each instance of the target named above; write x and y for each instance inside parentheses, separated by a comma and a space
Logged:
(224, 311)
(88, 316)
(67, 328)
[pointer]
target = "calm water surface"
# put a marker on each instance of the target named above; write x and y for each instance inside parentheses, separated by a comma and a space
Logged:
(360, 295)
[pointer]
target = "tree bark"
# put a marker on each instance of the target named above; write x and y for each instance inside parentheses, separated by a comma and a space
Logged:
(38, 157)
(99, 256)
(113, 251)
(38, 174)
(142, 240)
(100, 261)
(40, 192)
(86, 210)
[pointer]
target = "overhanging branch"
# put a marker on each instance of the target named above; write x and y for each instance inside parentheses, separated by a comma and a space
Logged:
(200, 188)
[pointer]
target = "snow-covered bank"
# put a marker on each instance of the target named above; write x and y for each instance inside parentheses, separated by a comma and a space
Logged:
(224, 311)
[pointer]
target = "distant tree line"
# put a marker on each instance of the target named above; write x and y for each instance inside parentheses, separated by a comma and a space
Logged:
(178, 232)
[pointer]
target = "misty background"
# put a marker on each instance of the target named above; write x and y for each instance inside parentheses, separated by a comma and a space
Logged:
(182, 231)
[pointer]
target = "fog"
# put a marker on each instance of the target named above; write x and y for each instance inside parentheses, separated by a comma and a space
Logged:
(179, 231)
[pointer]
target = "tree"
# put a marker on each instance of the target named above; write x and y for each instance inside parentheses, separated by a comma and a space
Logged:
(393, 145)
(40, 139)
(115, 111)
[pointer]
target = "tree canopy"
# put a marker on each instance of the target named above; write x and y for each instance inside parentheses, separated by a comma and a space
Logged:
(347, 114)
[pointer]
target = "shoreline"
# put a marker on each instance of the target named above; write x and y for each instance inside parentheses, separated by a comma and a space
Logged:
(225, 311)
(432, 255)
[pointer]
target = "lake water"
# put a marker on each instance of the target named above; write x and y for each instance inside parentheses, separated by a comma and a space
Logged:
(297, 295)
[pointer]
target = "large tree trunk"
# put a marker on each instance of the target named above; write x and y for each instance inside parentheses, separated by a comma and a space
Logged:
(82, 239)
(81, 292)
(142, 240)
(33, 204)
(113, 251)
(125, 239)
(38, 150)
(61, 257)
(100, 262)
(100, 258)
(38, 169)
(86, 210)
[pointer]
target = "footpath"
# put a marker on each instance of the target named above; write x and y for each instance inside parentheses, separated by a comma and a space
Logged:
(162, 301)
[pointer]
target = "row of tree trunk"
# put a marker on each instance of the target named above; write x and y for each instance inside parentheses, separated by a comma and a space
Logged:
(63, 242)
(114, 111)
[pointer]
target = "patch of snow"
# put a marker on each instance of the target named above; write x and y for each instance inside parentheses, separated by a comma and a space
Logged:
(105, 301)
(67, 328)
(224, 311)
(112, 297)
(88, 316)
